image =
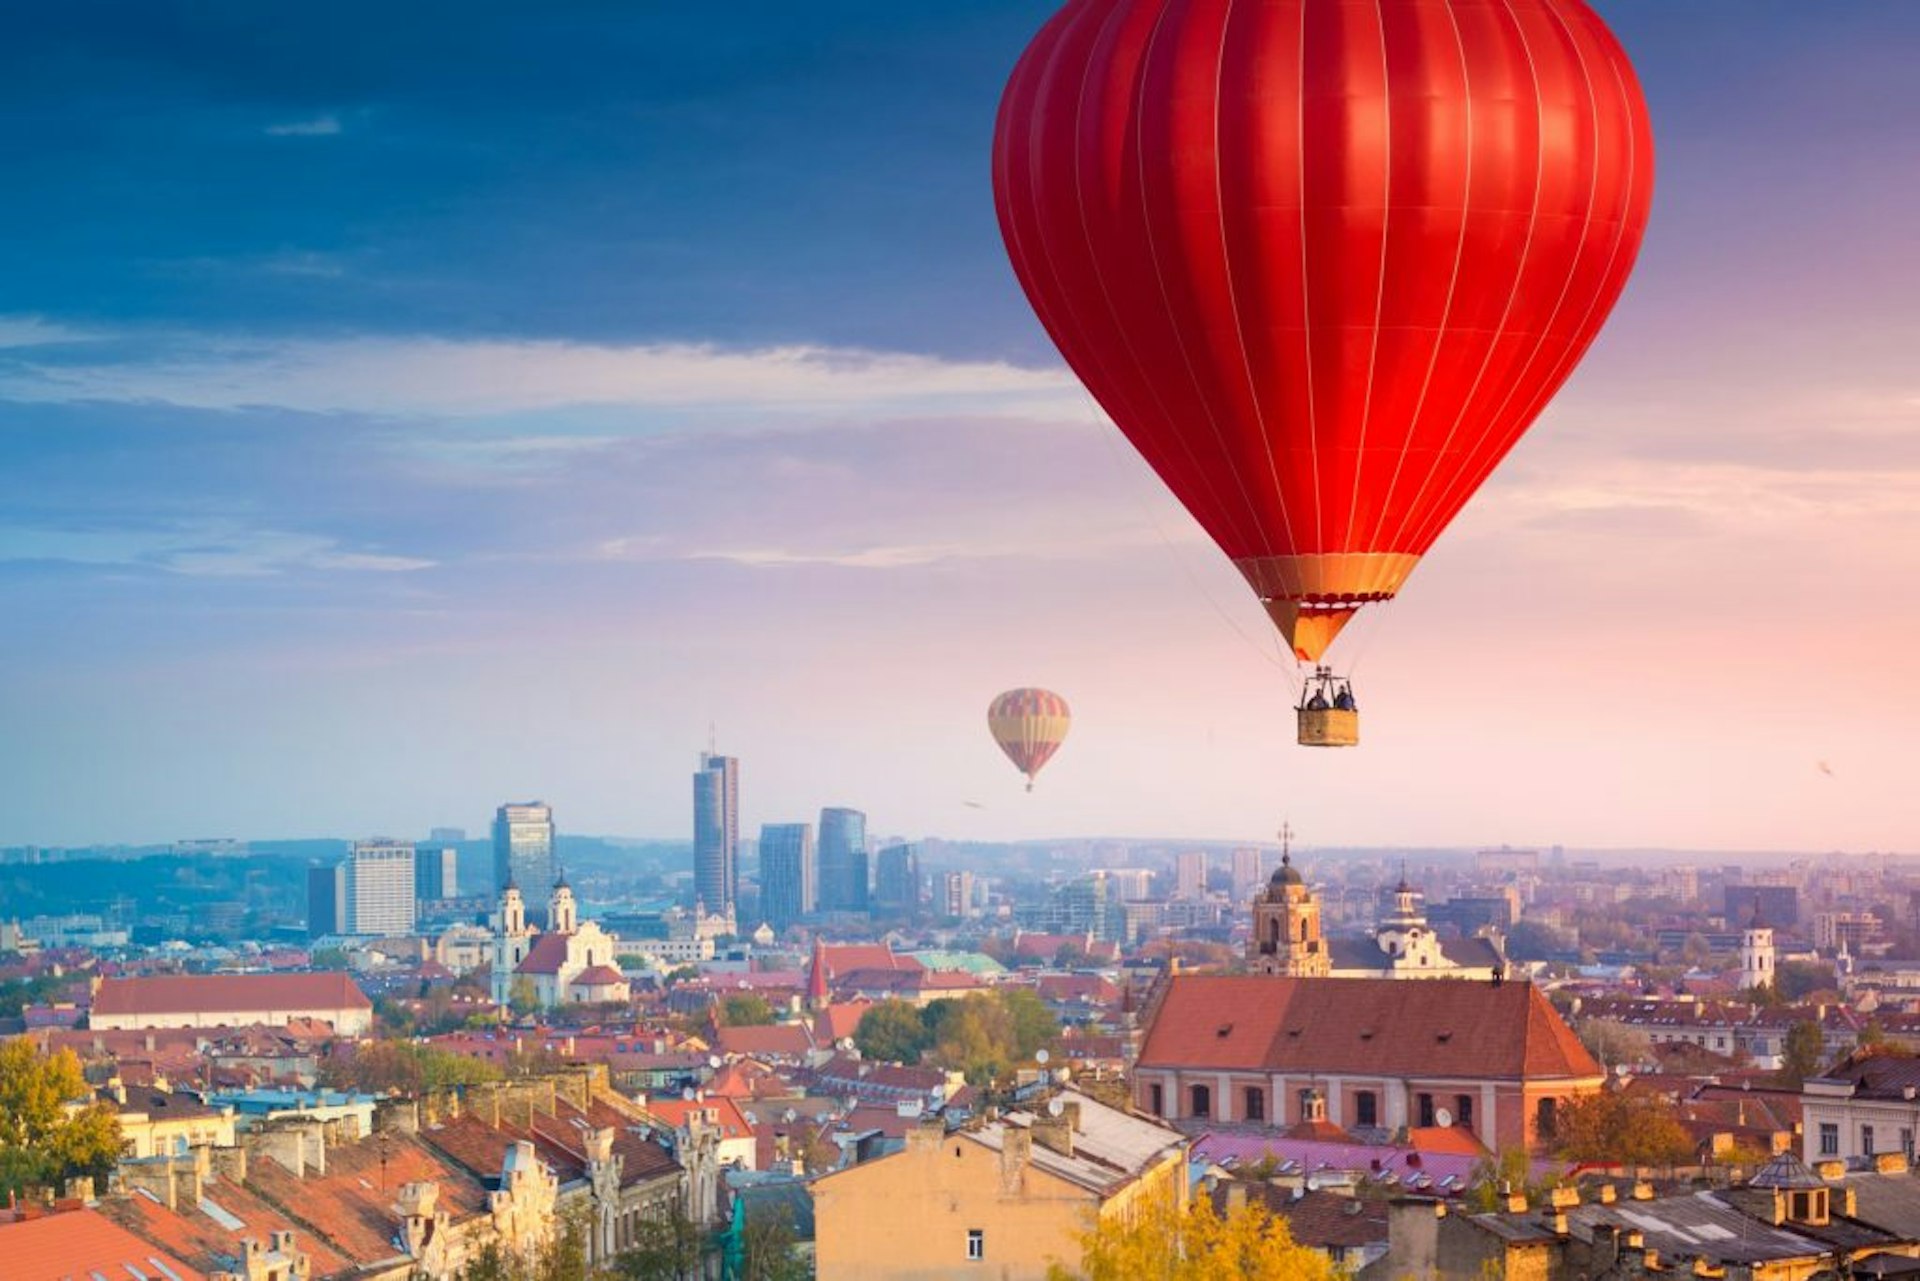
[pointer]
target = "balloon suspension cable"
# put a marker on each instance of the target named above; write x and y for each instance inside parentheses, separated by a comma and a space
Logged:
(1279, 656)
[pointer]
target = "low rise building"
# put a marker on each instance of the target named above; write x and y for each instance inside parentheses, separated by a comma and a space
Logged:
(231, 1000)
(1007, 1198)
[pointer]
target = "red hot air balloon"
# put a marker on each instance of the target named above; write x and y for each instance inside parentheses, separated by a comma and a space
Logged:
(1029, 725)
(1323, 261)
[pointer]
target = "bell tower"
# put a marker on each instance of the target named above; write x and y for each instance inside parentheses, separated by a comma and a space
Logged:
(1286, 923)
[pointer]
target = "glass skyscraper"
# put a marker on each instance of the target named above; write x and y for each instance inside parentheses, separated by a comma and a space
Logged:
(843, 860)
(716, 833)
(896, 881)
(788, 884)
(523, 853)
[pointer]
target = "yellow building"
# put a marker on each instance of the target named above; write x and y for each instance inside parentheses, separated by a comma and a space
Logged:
(156, 1121)
(1000, 1200)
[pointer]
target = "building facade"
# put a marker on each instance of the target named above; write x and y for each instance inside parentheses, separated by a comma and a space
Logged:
(1286, 927)
(789, 878)
(380, 889)
(716, 833)
(326, 900)
(843, 860)
(436, 874)
(523, 846)
(1378, 1055)
(896, 881)
(230, 1000)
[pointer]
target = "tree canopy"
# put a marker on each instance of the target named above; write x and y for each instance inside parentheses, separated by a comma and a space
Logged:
(1198, 1245)
(746, 1009)
(51, 1127)
(1616, 1126)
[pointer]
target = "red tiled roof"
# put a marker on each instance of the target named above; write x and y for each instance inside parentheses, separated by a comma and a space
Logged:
(844, 958)
(351, 1206)
(836, 1022)
(192, 1234)
(546, 956)
(1429, 1027)
(229, 993)
(78, 1242)
(1454, 1139)
(716, 1109)
(598, 976)
(788, 1039)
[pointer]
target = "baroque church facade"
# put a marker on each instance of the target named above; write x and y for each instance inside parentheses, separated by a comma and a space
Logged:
(570, 963)
(1287, 939)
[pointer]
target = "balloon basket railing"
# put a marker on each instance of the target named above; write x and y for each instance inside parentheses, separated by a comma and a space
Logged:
(1327, 714)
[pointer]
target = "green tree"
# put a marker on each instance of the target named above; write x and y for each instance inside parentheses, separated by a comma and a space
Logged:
(975, 1038)
(892, 1032)
(1033, 1023)
(523, 998)
(670, 1248)
(1199, 1245)
(1508, 1170)
(1613, 1042)
(1798, 980)
(747, 1009)
(767, 1243)
(51, 1128)
(1804, 1055)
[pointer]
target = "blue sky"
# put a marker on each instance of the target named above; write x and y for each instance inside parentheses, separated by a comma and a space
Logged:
(406, 410)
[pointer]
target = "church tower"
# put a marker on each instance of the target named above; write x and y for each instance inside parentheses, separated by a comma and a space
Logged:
(562, 915)
(1286, 923)
(512, 940)
(1756, 952)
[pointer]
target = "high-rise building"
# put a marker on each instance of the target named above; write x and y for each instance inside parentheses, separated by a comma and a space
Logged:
(446, 835)
(436, 874)
(380, 888)
(1190, 874)
(956, 894)
(843, 860)
(788, 878)
(1246, 872)
(326, 900)
(523, 851)
(716, 833)
(896, 880)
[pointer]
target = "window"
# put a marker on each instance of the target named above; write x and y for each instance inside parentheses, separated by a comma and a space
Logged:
(976, 1243)
(1256, 1109)
(1546, 1116)
(1366, 1108)
(1202, 1102)
(1463, 1111)
(1305, 1098)
(1906, 1141)
(1829, 1138)
(1866, 1140)
(1425, 1109)
(1156, 1100)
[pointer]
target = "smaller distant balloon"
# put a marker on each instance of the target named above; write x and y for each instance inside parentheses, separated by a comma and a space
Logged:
(1029, 725)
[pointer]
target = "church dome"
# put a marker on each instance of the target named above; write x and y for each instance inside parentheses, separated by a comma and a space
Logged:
(1286, 873)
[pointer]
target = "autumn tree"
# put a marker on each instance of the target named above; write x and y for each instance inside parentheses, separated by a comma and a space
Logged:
(1494, 1176)
(1613, 1042)
(1197, 1245)
(666, 1248)
(51, 1128)
(1620, 1127)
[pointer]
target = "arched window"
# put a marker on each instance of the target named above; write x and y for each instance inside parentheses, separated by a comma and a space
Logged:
(1303, 931)
(1202, 1102)
(1273, 929)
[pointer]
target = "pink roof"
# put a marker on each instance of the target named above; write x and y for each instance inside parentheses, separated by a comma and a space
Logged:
(229, 993)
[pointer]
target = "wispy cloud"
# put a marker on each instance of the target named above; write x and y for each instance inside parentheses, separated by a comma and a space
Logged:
(431, 376)
(211, 549)
(313, 127)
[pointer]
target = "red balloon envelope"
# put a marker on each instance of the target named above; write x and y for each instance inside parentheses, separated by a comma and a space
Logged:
(1323, 261)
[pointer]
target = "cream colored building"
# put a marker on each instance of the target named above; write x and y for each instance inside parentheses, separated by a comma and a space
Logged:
(1003, 1200)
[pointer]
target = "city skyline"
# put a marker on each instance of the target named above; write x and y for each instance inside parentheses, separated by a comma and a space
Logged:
(452, 410)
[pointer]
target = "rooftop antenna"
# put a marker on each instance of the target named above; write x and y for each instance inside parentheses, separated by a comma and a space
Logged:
(712, 740)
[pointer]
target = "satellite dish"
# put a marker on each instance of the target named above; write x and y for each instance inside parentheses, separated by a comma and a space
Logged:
(1055, 1107)
(1041, 1056)
(713, 1061)
(686, 1094)
(1443, 1118)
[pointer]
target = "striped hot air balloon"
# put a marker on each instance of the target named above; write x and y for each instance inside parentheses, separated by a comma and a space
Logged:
(1029, 725)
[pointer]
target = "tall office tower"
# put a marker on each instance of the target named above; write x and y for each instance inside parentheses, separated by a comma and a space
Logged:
(380, 888)
(956, 894)
(436, 874)
(1246, 873)
(326, 900)
(523, 853)
(1190, 875)
(716, 833)
(896, 880)
(843, 860)
(788, 878)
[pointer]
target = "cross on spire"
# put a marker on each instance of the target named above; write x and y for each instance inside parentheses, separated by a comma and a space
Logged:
(1286, 844)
